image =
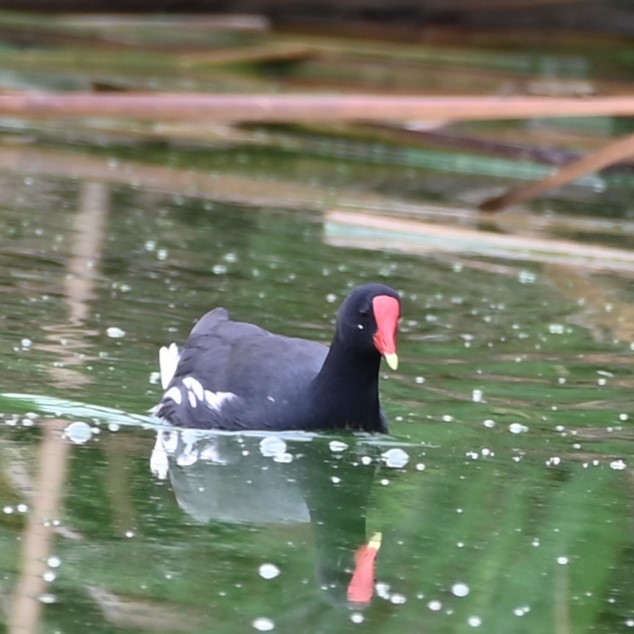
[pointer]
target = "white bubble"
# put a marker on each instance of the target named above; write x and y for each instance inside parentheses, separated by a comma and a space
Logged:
(474, 621)
(331, 298)
(517, 428)
(382, 590)
(219, 269)
(78, 432)
(115, 333)
(26, 343)
(47, 598)
(398, 599)
(395, 458)
(556, 329)
(476, 396)
(434, 605)
(8, 510)
(618, 465)
(268, 571)
(562, 561)
(49, 576)
(283, 457)
(526, 277)
(53, 562)
(263, 624)
(489, 423)
(337, 445)
(460, 589)
(357, 617)
(272, 445)
(420, 380)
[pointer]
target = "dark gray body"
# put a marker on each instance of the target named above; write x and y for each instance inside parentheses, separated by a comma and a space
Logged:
(260, 380)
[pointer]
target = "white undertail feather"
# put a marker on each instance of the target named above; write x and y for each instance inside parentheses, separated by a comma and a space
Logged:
(168, 360)
(175, 394)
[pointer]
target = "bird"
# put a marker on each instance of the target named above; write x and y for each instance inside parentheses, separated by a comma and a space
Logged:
(234, 376)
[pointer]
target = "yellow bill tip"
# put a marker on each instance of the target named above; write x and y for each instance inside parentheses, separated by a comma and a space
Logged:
(392, 360)
(375, 541)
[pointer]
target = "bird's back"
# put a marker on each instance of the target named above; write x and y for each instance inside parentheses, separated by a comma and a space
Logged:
(234, 375)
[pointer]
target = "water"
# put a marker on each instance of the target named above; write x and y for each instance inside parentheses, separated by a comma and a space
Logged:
(502, 496)
(501, 500)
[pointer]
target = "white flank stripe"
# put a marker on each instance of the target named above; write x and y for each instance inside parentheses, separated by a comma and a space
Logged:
(191, 397)
(175, 394)
(195, 386)
(168, 360)
(216, 399)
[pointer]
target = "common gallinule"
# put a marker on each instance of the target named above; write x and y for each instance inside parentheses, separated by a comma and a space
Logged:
(233, 376)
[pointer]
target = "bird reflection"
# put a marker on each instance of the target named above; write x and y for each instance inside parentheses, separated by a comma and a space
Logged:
(283, 478)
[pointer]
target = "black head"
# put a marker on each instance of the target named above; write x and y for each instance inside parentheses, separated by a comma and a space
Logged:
(368, 320)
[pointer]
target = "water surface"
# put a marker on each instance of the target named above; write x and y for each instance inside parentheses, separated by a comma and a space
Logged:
(501, 501)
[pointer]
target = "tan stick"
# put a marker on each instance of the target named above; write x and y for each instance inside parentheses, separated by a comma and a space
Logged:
(612, 153)
(264, 107)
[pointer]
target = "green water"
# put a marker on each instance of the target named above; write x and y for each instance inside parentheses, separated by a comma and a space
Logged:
(503, 494)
